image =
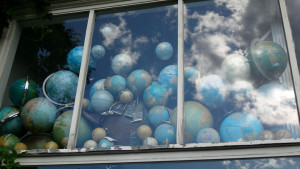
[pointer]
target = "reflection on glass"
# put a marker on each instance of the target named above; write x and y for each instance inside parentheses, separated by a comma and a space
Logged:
(132, 92)
(42, 86)
(238, 85)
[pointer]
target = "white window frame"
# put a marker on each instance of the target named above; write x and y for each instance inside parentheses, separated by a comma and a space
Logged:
(126, 154)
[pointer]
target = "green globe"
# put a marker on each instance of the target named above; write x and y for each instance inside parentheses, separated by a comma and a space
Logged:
(8, 141)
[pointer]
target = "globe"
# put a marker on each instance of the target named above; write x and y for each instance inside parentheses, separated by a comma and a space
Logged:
(240, 126)
(164, 51)
(106, 31)
(165, 134)
(74, 60)
(168, 78)
(158, 115)
(266, 135)
(267, 59)
(38, 115)
(191, 74)
(98, 134)
(126, 96)
(235, 67)
(51, 145)
(115, 84)
(283, 134)
(105, 143)
(87, 105)
(138, 81)
(150, 142)
(22, 91)
(20, 146)
(61, 129)
(268, 89)
(144, 131)
(8, 141)
(37, 140)
(196, 117)
(90, 144)
(98, 52)
(208, 135)
(101, 101)
(12, 126)
(121, 64)
(61, 86)
(99, 84)
(155, 94)
(211, 91)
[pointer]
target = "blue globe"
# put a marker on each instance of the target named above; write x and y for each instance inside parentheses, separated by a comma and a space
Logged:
(240, 126)
(61, 86)
(101, 101)
(155, 94)
(115, 84)
(99, 84)
(208, 135)
(165, 134)
(105, 143)
(191, 74)
(74, 60)
(121, 64)
(211, 91)
(168, 78)
(138, 81)
(164, 51)
(13, 126)
(98, 52)
(158, 115)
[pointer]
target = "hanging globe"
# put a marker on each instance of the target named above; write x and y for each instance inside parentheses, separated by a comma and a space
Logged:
(98, 52)
(208, 135)
(99, 84)
(22, 91)
(121, 64)
(158, 115)
(74, 60)
(37, 140)
(138, 81)
(155, 94)
(191, 74)
(165, 134)
(115, 84)
(168, 78)
(164, 51)
(38, 115)
(101, 101)
(8, 141)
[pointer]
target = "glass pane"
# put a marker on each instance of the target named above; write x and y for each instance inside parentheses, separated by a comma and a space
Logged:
(131, 93)
(237, 76)
(42, 85)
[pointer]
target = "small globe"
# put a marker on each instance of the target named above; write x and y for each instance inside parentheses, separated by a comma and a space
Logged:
(283, 134)
(87, 105)
(115, 84)
(101, 101)
(90, 144)
(121, 64)
(8, 141)
(37, 140)
(74, 60)
(240, 126)
(98, 134)
(19, 95)
(106, 31)
(38, 115)
(211, 91)
(105, 143)
(61, 129)
(158, 115)
(126, 96)
(196, 118)
(267, 59)
(208, 135)
(266, 135)
(61, 86)
(20, 146)
(164, 51)
(99, 84)
(165, 134)
(235, 67)
(138, 81)
(168, 78)
(155, 94)
(150, 142)
(13, 126)
(191, 74)
(51, 145)
(144, 131)
(98, 52)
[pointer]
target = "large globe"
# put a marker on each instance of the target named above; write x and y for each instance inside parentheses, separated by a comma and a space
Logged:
(191, 74)
(8, 141)
(38, 115)
(155, 94)
(158, 115)
(168, 78)
(196, 117)
(165, 134)
(240, 126)
(121, 64)
(138, 80)
(267, 59)
(61, 129)
(99, 84)
(37, 140)
(74, 60)
(61, 86)
(115, 84)
(164, 51)
(22, 91)
(12, 126)
(101, 101)
(98, 52)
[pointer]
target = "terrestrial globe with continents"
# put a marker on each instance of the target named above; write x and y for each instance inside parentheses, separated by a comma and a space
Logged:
(165, 134)
(164, 51)
(155, 94)
(74, 60)
(61, 86)
(98, 52)
(8, 141)
(158, 115)
(168, 78)
(38, 115)
(208, 135)
(115, 84)
(121, 64)
(99, 84)
(138, 81)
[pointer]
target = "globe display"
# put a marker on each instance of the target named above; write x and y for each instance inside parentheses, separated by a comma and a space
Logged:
(158, 115)
(164, 51)
(12, 126)
(61, 86)
(98, 52)
(155, 94)
(61, 129)
(196, 117)
(101, 101)
(165, 134)
(105, 143)
(37, 140)
(138, 81)
(22, 91)
(99, 84)
(240, 126)
(38, 115)
(121, 64)
(168, 78)
(8, 141)
(267, 59)
(191, 74)
(74, 60)
(208, 135)
(115, 84)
